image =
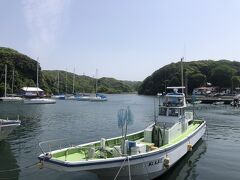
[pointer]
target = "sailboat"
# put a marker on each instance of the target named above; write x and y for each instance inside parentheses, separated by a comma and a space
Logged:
(7, 126)
(6, 98)
(73, 96)
(38, 100)
(146, 153)
(58, 96)
(97, 97)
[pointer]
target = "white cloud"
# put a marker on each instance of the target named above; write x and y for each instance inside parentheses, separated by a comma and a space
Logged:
(45, 21)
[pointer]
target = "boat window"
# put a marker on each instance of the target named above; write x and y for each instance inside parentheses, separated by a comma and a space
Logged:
(168, 111)
(163, 111)
(173, 101)
(173, 112)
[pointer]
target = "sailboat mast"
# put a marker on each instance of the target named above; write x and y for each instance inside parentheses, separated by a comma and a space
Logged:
(182, 73)
(66, 82)
(58, 82)
(12, 80)
(96, 80)
(37, 76)
(5, 92)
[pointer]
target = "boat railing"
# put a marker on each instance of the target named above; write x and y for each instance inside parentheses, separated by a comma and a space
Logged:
(50, 144)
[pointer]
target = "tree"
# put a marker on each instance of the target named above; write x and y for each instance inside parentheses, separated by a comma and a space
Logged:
(235, 81)
(195, 80)
(222, 75)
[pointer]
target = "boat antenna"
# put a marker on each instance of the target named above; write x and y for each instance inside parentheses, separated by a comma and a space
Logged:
(182, 73)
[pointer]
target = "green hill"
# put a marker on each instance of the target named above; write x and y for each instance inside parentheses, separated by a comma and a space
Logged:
(222, 73)
(25, 70)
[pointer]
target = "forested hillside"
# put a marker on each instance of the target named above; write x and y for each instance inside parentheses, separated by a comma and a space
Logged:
(222, 73)
(25, 74)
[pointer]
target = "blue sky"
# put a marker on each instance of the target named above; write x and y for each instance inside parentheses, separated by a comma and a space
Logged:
(124, 39)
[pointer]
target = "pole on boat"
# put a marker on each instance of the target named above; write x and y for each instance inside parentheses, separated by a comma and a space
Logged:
(5, 92)
(182, 73)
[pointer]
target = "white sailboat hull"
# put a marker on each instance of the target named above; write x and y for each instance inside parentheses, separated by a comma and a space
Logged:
(39, 101)
(149, 165)
(11, 99)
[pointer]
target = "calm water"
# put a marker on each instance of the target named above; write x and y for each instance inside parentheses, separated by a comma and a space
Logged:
(216, 157)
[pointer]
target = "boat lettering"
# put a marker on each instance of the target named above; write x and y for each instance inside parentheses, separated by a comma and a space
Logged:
(152, 163)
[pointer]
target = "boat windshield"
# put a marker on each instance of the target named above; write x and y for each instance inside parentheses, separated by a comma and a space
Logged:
(168, 111)
(173, 101)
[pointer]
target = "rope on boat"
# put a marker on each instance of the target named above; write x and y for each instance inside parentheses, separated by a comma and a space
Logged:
(129, 168)
(120, 169)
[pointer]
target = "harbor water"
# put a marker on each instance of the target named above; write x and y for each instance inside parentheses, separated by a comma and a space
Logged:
(216, 156)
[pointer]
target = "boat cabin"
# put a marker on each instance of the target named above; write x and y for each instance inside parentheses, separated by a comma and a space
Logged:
(172, 119)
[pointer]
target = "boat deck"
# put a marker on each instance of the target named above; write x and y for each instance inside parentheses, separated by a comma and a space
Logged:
(81, 153)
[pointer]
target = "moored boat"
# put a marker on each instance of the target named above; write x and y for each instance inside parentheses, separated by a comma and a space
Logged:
(98, 98)
(149, 152)
(39, 101)
(7, 98)
(11, 99)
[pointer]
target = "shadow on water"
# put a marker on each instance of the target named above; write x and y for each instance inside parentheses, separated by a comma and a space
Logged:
(184, 169)
(8, 164)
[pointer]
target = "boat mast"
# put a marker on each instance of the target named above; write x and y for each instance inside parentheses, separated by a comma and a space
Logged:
(12, 80)
(182, 73)
(66, 82)
(5, 92)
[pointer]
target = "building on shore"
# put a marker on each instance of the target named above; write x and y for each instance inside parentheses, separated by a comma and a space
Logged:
(32, 92)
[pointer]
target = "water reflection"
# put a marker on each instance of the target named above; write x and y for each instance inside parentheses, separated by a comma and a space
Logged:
(8, 164)
(186, 167)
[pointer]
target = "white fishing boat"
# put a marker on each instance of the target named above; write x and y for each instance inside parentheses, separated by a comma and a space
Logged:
(7, 126)
(147, 153)
(7, 98)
